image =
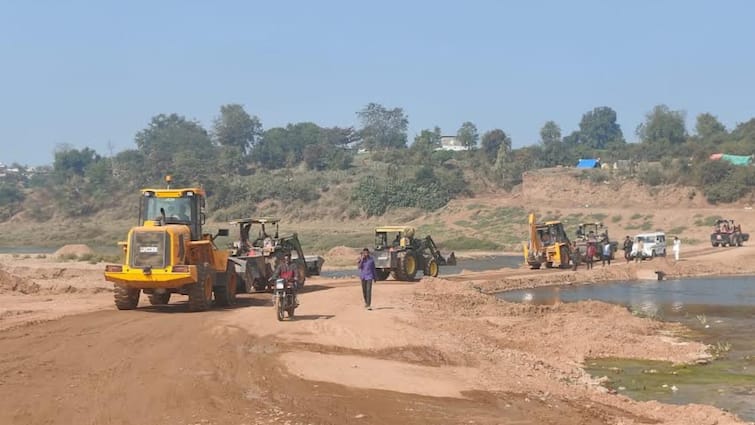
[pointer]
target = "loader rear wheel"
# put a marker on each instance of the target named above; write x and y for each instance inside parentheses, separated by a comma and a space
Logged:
(200, 293)
(431, 268)
(159, 299)
(406, 267)
(126, 298)
(225, 293)
(382, 274)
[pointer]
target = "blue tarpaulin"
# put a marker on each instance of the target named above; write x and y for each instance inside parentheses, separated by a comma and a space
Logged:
(588, 163)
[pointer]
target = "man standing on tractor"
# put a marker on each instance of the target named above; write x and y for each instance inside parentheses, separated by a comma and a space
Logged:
(290, 272)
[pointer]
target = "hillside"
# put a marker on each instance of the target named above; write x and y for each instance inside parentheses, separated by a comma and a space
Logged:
(486, 220)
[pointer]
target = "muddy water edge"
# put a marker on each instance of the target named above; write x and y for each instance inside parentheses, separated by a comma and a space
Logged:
(719, 312)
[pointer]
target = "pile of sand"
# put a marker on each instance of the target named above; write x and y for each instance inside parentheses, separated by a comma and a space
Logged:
(73, 249)
(13, 283)
(343, 251)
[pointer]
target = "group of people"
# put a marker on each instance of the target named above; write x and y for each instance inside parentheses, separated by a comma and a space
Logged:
(591, 253)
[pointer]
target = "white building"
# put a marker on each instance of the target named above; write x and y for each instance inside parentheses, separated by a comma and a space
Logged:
(450, 143)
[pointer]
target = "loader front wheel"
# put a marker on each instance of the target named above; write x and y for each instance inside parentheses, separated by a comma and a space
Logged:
(225, 293)
(200, 293)
(406, 268)
(126, 298)
(159, 299)
(431, 268)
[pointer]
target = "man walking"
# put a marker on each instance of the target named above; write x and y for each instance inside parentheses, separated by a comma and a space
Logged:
(367, 274)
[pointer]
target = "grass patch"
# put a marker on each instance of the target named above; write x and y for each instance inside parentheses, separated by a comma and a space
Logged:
(615, 219)
(463, 223)
(599, 216)
(677, 230)
(646, 226)
(707, 221)
(635, 216)
(464, 243)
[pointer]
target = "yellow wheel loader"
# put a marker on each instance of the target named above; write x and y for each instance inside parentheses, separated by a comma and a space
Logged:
(167, 253)
(547, 244)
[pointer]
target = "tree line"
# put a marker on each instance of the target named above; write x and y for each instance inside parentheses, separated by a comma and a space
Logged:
(82, 181)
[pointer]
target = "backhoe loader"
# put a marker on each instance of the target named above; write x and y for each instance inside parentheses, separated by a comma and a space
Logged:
(547, 244)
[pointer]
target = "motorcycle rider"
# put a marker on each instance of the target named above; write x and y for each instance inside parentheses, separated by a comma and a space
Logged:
(290, 272)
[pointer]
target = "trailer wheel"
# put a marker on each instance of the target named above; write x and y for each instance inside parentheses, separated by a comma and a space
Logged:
(126, 298)
(382, 274)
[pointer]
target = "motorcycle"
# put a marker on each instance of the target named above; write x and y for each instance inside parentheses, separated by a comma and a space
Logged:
(284, 298)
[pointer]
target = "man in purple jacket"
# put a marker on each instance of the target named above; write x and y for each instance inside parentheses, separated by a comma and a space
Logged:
(367, 273)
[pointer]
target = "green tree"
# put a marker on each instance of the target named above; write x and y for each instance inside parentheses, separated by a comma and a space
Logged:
(428, 140)
(663, 126)
(236, 128)
(467, 135)
(550, 133)
(69, 161)
(599, 129)
(171, 144)
(708, 127)
(492, 142)
(383, 128)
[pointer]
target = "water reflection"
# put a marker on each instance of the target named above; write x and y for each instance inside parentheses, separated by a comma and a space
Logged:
(719, 310)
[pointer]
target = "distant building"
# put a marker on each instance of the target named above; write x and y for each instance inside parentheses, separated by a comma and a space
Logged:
(450, 143)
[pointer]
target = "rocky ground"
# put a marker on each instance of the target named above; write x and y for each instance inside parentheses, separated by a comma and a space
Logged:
(437, 351)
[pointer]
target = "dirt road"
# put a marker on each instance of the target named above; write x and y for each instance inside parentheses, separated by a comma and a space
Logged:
(438, 351)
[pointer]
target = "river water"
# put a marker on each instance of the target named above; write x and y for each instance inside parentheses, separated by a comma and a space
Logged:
(477, 264)
(719, 312)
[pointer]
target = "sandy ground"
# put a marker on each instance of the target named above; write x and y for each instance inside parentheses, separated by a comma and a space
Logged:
(437, 351)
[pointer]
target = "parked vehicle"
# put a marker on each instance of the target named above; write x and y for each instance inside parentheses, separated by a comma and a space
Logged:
(595, 233)
(725, 232)
(653, 245)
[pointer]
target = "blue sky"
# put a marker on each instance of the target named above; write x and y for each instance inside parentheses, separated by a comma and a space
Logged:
(94, 73)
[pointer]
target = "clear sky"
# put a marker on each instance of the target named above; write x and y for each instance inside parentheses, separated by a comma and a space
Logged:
(94, 73)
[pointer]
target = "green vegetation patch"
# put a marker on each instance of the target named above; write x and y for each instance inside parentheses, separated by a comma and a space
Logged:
(464, 243)
(707, 221)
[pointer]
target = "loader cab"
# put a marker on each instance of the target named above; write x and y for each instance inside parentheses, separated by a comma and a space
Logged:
(173, 206)
(552, 232)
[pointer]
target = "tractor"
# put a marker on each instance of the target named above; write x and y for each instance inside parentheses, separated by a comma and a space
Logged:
(405, 255)
(167, 253)
(255, 260)
(594, 233)
(548, 244)
(725, 232)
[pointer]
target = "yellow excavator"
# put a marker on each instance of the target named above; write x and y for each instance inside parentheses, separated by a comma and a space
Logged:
(547, 244)
(167, 253)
